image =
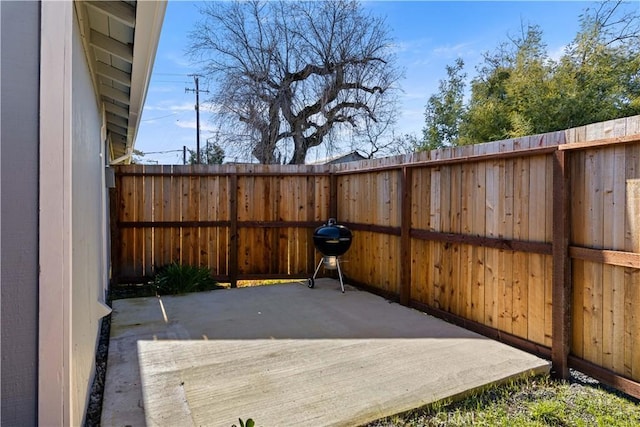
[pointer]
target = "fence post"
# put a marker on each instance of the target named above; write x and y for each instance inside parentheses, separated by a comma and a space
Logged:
(233, 230)
(405, 236)
(561, 281)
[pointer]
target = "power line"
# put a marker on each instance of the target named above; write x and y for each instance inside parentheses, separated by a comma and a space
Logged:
(170, 81)
(157, 118)
(173, 74)
(161, 152)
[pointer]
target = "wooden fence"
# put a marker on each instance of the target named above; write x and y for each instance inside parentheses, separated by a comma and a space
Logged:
(534, 241)
(243, 222)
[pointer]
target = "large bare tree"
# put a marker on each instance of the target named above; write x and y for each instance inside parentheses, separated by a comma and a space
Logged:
(291, 75)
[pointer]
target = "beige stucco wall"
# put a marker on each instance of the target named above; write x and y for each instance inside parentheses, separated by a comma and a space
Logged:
(87, 237)
(72, 206)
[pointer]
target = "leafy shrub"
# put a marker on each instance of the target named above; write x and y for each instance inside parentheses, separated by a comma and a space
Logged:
(178, 278)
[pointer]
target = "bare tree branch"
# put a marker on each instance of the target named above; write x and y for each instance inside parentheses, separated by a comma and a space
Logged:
(294, 73)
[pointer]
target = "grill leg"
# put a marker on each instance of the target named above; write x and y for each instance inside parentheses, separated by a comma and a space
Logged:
(318, 268)
(340, 274)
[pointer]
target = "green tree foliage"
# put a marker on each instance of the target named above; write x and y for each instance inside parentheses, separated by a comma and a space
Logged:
(445, 110)
(599, 76)
(211, 154)
(510, 94)
(519, 90)
(487, 114)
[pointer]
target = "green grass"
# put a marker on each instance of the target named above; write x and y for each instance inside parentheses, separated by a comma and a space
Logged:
(535, 401)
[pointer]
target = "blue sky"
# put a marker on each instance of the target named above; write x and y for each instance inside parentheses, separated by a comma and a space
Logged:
(429, 35)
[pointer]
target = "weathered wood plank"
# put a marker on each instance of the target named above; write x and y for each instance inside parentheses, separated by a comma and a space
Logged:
(593, 283)
(536, 269)
(405, 237)
(578, 237)
(561, 273)
(505, 226)
(493, 201)
(466, 226)
(548, 237)
(456, 287)
(158, 215)
(127, 208)
(148, 236)
(167, 214)
(139, 244)
(602, 142)
(521, 201)
(632, 276)
(478, 229)
(615, 275)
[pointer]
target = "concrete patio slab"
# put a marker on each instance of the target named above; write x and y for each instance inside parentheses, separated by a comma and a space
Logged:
(289, 355)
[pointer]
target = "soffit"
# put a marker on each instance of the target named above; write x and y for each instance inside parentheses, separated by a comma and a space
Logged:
(120, 40)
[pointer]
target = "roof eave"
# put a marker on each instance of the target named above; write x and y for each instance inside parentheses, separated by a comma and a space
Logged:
(149, 19)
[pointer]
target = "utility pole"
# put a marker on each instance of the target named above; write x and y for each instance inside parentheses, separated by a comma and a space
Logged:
(197, 92)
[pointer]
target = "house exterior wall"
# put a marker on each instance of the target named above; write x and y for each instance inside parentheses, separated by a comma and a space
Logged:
(87, 237)
(20, 52)
(72, 214)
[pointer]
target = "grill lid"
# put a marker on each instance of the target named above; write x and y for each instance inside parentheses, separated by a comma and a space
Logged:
(332, 239)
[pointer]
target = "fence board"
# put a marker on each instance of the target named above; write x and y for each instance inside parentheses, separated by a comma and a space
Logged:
(615, 275)
(548, 233)
(165, 234)
(139, 241)
(456, 287)
(466, 227)
(609, 217)
(478, 253)
(492, 229)
(447, 285)
(124, 194)
(435, 252)
(595, 217)
(204, 233)
(505, 230)
(157, 215)
(537, 184)
(632, 276)
(147, 234)
(579, 237)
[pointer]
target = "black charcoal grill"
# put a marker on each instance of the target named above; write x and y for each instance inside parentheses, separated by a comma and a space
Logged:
(331, 240)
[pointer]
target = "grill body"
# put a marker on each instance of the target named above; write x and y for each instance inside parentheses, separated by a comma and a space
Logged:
(331, 240)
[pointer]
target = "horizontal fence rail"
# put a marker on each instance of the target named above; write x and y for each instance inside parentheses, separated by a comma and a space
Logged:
(534, 240)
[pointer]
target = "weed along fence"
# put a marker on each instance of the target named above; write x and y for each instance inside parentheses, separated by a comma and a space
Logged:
(534, 241)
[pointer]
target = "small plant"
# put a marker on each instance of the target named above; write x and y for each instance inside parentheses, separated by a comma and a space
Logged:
(178, 278)
(249, 423)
